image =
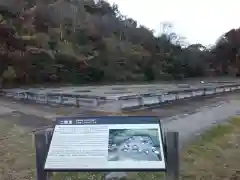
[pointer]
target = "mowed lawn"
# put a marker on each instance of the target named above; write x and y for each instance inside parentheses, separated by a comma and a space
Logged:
(215, 155)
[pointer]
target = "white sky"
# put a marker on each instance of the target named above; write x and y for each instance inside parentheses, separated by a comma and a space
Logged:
(200, 21)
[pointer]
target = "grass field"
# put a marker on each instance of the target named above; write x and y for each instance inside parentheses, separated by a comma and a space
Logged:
(215, 155)
(17, 157)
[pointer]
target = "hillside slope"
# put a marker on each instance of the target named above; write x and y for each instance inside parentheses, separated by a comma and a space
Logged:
(77, 41)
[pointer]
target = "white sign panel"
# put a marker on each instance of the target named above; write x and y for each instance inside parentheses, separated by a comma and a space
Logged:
(41, 98)
(227, 89)
(19, 95)
(198, 93)
(70, 100)
(185, 95)
(106, 143)
(194, 94)
(210, 91)
(168, 97)
(219, 90)
(150, 100)
(130, 103)
(9, 94)
(55, 99)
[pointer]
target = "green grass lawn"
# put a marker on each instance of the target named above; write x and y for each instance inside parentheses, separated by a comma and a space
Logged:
(17, 157)
(216, 155)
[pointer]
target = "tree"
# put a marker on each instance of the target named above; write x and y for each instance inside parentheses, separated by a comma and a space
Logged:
(88, 41)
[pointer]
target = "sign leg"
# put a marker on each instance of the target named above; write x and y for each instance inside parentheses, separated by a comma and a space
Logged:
(41, 149)
(172, 155)
(42, 139)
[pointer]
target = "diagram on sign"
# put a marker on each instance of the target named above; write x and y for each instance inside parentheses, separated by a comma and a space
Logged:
(134, 144)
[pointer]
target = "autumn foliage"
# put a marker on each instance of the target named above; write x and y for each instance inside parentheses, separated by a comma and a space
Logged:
(77, 41)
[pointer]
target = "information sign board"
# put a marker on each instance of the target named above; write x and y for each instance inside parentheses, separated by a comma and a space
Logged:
(106, 144)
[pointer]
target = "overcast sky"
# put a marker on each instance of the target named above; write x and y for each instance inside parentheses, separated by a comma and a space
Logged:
(200, 21)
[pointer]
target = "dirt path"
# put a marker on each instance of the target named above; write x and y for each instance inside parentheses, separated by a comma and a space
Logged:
(195, 124)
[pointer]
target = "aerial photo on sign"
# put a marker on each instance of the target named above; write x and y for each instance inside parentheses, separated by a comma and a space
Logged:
(134, 144)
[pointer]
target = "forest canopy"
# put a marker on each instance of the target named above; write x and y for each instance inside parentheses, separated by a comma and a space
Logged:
(77, 41)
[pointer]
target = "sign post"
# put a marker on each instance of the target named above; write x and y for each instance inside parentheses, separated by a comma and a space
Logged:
(109, 144)
(42, 141)
(172, 155)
